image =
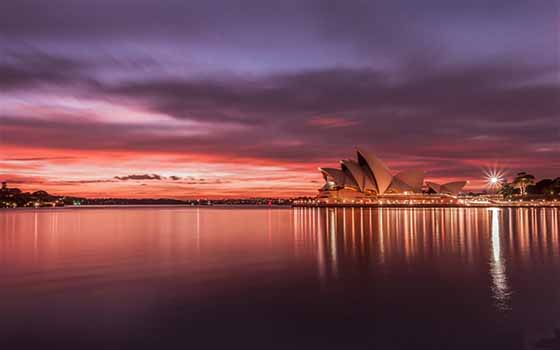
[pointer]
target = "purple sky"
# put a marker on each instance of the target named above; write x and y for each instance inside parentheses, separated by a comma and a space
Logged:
(249, 97)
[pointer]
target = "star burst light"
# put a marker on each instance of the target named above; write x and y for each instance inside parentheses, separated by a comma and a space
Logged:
(494, 177)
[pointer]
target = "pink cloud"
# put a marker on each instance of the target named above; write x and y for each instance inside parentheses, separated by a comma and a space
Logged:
(331, 122)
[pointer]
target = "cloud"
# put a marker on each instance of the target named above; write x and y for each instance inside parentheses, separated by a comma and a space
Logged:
(190, 180)
(366, 27)
(140, 177)
(295, 84)
(22, 69)
(330, 122)
(498, 90)
(194, 181)
(75, 182)
(36, 159)
(428, 111)
(296, 116)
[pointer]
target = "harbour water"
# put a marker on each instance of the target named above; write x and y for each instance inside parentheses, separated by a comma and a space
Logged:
(301, 278)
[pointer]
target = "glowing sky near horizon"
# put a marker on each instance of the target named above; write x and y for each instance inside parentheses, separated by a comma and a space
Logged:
(247, 98)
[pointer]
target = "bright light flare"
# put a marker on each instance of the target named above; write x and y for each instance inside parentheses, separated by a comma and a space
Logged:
(494, 178)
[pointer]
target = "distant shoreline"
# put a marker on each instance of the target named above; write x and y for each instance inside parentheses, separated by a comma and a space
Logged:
(422, 206)
(260, 206)
(109, 206)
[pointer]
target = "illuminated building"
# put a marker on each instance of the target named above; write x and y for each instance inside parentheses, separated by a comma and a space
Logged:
(453, 188)
(368, 177)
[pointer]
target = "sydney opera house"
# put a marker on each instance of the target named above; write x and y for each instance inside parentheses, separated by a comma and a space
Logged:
(367, 177)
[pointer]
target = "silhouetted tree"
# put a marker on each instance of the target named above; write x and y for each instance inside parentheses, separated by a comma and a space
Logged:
(507, 190)
(522, 180)
(553, 188)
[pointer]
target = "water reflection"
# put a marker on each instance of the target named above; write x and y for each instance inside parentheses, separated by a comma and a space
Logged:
(355, 238)
(366, 275)
(332, 242)
(497, 265)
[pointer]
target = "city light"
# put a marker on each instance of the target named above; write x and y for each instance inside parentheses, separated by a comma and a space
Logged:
(494, 178)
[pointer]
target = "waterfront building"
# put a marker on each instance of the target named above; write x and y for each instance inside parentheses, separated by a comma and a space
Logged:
(453, 188)
(368, 178)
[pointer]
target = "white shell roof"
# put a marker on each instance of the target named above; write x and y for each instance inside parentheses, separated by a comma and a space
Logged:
(380, 171)
(371, 173)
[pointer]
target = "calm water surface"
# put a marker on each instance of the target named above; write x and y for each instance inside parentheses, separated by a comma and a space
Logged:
(178, 278)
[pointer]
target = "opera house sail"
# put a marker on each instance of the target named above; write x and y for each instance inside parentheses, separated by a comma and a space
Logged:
(450, 187)
(368, 177)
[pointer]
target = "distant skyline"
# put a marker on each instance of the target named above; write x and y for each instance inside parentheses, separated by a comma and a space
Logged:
(184, 99)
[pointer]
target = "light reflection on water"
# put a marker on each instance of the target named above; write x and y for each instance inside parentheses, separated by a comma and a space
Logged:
(394, 233)
(487, 276)
(497, 265)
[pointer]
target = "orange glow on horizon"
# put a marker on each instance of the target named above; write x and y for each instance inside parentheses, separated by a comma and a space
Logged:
(92, 173)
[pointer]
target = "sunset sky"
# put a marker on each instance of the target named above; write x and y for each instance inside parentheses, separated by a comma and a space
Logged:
(183, 99)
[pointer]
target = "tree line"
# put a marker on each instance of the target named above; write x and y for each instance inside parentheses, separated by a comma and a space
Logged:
(524, 184)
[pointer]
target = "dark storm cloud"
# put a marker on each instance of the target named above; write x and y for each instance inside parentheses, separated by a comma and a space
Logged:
(281, 113)
(433, 105)
(29, 68)
(500, 90)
